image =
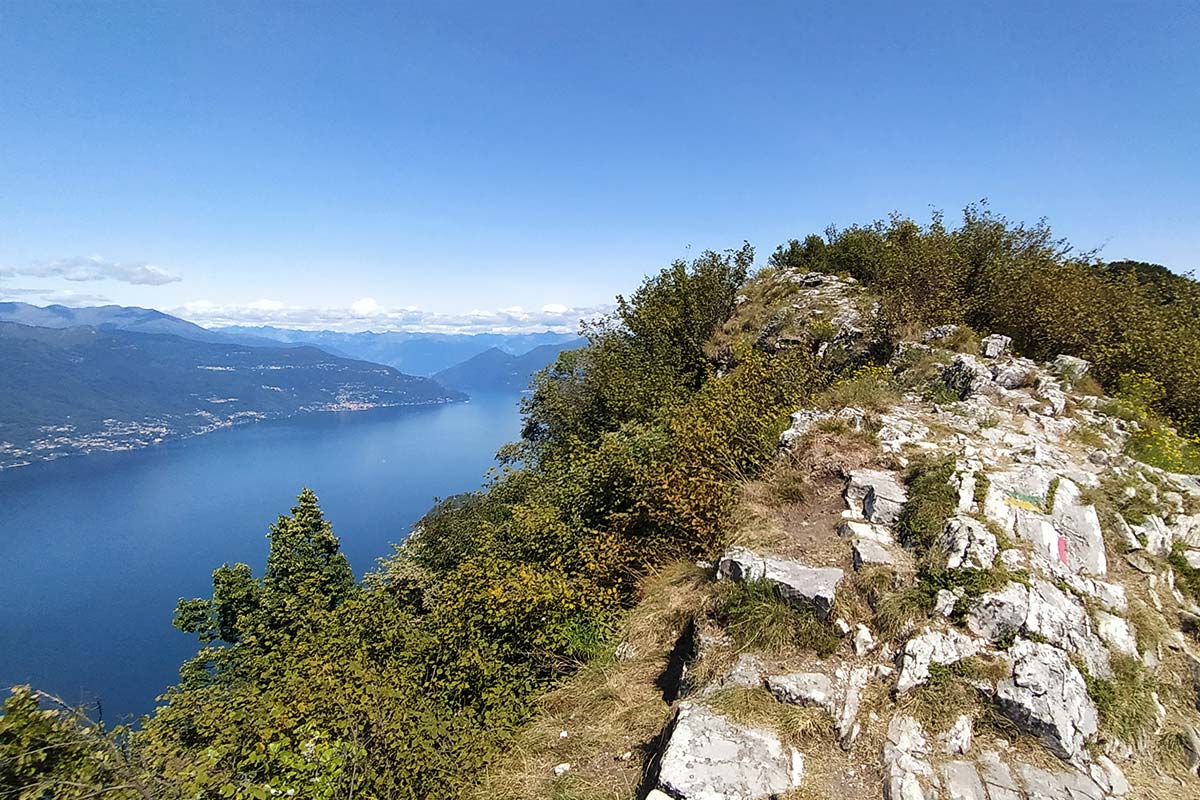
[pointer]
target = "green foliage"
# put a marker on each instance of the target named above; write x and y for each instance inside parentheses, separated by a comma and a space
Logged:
(872, 388)
(996, 275)
(306, 574)
(1187, 577)
(58, 753)
(931, 501)
(1125, 702)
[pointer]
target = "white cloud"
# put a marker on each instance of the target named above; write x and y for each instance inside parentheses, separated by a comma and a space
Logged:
(67, 297)
(94, 268)
(367, 313)
(366, 307)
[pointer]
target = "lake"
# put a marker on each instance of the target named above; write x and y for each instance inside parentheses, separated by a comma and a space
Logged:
(97, 549)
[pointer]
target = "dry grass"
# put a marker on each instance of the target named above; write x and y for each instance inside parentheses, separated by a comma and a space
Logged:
(609, 708)
(797, 726)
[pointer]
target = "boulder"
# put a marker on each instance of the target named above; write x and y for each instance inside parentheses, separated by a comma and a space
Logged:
(957, 740)
(1046, 785)
(968, 544)
(1046, 696)
(711, 758)
(1154, 532)
(1080, 524)
(938, 332)
(798, 584)
(852, 683)
(944, 603)
(932, 647)
(1071, 368)
(855, 529)
(864, 641)
(1063, 621)
(1116, 632)
(802, 422)
(1013, 491)
(1016, 374)
(966, 376)
(995, 345)
(998, 616)
(869, 553)
(876, 495)
(997, 777)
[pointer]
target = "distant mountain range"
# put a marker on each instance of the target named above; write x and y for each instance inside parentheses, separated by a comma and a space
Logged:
(78, 389)
(118, 318)
(496, 370)
(415, 353)
(75, 380)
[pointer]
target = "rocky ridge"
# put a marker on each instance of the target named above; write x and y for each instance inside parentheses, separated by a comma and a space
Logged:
(1036, 643)
(1067, 597)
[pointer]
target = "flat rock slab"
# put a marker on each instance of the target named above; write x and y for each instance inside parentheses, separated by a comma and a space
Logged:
(710, 758)
(797, 583)
(870, 553)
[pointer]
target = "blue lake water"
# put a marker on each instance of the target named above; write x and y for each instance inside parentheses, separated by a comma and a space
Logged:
(97, 549)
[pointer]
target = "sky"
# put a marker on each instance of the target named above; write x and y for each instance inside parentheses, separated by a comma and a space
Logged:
(359, 165)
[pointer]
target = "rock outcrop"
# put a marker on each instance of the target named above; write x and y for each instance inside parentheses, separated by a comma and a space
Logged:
(707, 757)
(802, 585)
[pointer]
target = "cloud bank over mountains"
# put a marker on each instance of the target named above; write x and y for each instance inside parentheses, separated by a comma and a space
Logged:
(368, 314)
(364, 314)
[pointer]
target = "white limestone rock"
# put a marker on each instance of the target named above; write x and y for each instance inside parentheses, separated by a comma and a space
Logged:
(957, 740)
(804, 689)
(856, 529)
(1080, 524)
(1070, 367)
(870, 553)
(1063, 621)
(1046, 696)
(1000, 615)
(968, 544)
(966, 376)
(906, 767)
(875, 495)
(995, 345)
(805, 419)
(1115, 631)
(711, 758)
(798, 584)
(961, 781)
(932, 647)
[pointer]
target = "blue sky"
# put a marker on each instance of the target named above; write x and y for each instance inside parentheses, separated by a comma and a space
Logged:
(360, 165)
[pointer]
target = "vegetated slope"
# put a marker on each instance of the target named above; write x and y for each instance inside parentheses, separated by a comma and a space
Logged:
(122, 318)
(494, 370)
(657, 447)
(413, 352)
(73, 390)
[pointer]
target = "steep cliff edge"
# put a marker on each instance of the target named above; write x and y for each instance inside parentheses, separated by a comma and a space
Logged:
(953, 582)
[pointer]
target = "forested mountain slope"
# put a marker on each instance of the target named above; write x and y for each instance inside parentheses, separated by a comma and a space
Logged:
(77, 390)
(846, 527)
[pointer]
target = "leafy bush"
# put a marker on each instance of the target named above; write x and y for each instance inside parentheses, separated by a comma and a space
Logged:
(996, 275)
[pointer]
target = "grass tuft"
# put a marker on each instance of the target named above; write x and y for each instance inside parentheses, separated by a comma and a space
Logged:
(756, 707)
(761, 621)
